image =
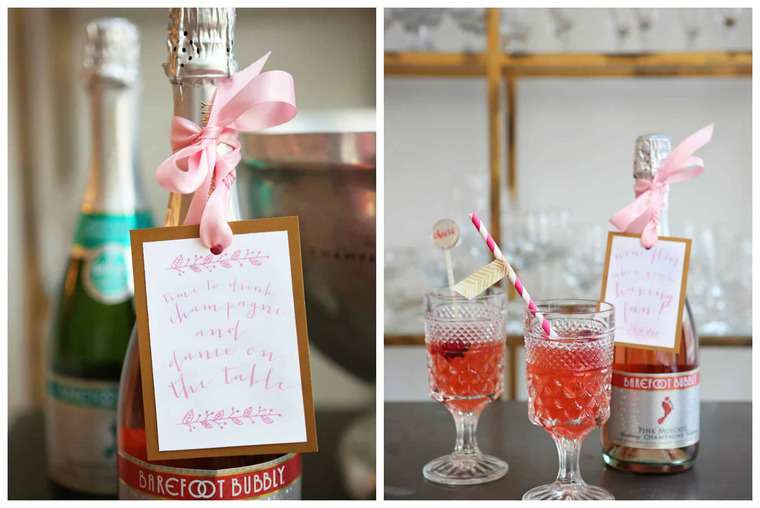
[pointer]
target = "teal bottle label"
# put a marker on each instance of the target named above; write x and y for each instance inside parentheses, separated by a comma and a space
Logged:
(80, 427)
(102, 241)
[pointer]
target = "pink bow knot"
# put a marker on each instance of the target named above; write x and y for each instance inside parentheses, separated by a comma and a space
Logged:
(204, 159)
(643, 214)
(211, 132)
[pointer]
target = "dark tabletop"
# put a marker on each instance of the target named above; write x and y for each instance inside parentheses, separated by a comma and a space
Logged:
(416, 432)
(27, 477)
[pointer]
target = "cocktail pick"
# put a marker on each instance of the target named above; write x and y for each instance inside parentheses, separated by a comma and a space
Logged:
(446, 237)
(477, 282)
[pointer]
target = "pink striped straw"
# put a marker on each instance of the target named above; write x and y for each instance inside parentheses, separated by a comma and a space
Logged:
(516, 282)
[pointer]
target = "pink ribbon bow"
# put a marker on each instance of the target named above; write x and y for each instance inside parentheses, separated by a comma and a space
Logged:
(246, 101)
(643, 214)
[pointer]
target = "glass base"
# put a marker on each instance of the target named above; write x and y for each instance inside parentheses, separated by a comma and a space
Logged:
(567, 492)
(465, 470)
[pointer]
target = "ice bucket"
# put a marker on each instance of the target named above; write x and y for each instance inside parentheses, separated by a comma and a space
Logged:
(322, 169)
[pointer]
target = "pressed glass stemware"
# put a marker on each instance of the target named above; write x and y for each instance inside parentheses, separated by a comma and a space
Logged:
(465, 342)
(569, 385)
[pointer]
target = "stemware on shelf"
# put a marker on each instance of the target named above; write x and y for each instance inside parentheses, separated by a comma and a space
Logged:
(623, 21)
(692, 20)
(473, 25)
(562, 24)
(728, 24)
(645, 19)
(515, 30)
(418, 23)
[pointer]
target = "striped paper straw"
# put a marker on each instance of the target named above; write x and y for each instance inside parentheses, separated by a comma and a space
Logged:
(513, 278)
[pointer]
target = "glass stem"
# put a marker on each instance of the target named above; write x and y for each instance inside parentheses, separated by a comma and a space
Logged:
(569, 451)
(467, 426)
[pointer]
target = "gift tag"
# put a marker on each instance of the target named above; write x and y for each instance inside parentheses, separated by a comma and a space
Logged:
(224, 353)
(647, 288)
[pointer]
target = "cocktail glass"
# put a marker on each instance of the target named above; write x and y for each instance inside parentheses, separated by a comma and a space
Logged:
(568, 380)
(465, 342)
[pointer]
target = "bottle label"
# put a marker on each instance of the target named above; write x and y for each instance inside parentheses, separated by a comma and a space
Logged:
(102, 241)
(278, 478)
(654, 411)
(81, 434)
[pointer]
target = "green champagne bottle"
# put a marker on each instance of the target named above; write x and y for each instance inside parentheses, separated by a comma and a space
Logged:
(95, 313)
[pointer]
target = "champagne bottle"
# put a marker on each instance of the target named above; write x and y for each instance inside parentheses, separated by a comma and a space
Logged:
(95, 313)
(655, 427)
(200, 43)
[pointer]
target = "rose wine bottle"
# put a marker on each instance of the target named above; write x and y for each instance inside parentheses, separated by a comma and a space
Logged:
(95, 312)
(654, 411)
(200, 44)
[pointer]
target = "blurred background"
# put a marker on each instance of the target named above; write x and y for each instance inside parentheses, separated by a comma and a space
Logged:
(330, 53)
(529, 116)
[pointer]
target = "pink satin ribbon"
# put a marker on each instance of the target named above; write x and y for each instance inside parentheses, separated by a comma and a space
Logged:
(246, 101)
(643, 214)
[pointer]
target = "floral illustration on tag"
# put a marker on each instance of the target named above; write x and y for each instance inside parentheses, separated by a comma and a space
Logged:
(208, 262)
(220, 419)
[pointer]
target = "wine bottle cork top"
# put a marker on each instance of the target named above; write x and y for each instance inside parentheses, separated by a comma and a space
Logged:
(112, 50)
(200, 43)
(650, 151)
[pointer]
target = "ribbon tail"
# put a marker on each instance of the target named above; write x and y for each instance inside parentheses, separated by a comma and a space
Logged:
(215, 231)
(649, 235)
(174, 179)
(627, 216)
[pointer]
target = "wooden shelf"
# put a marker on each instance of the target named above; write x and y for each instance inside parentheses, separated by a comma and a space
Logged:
(715, 63)
(629, 65)
(435, 64)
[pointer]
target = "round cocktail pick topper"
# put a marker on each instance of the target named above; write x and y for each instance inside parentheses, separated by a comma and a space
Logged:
(445, 234)
(446, 237)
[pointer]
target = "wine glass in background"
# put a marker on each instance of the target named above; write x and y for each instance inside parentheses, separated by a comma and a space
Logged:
(418, 24)
(645, 20)
(408, 270)
(515, 30)
(562, 23)
(623, 21)
(691, 19)
(552, 238)
(473, 25)
(728, 22)
(582, 267)
(706, 282)
(734, 260)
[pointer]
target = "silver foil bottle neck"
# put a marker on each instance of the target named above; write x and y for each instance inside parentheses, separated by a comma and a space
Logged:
(112, 50)
(648, 154)
(200, 43)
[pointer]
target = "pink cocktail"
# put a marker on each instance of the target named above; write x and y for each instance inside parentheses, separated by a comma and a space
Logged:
(465, 376)
(569, 383)
(465, 349)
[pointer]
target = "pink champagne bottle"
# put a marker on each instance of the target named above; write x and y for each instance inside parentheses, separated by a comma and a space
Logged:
(654, 411)
(200, 44)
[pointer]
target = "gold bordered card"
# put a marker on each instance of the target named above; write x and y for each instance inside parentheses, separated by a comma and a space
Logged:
(224, 351)
(647, 288)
